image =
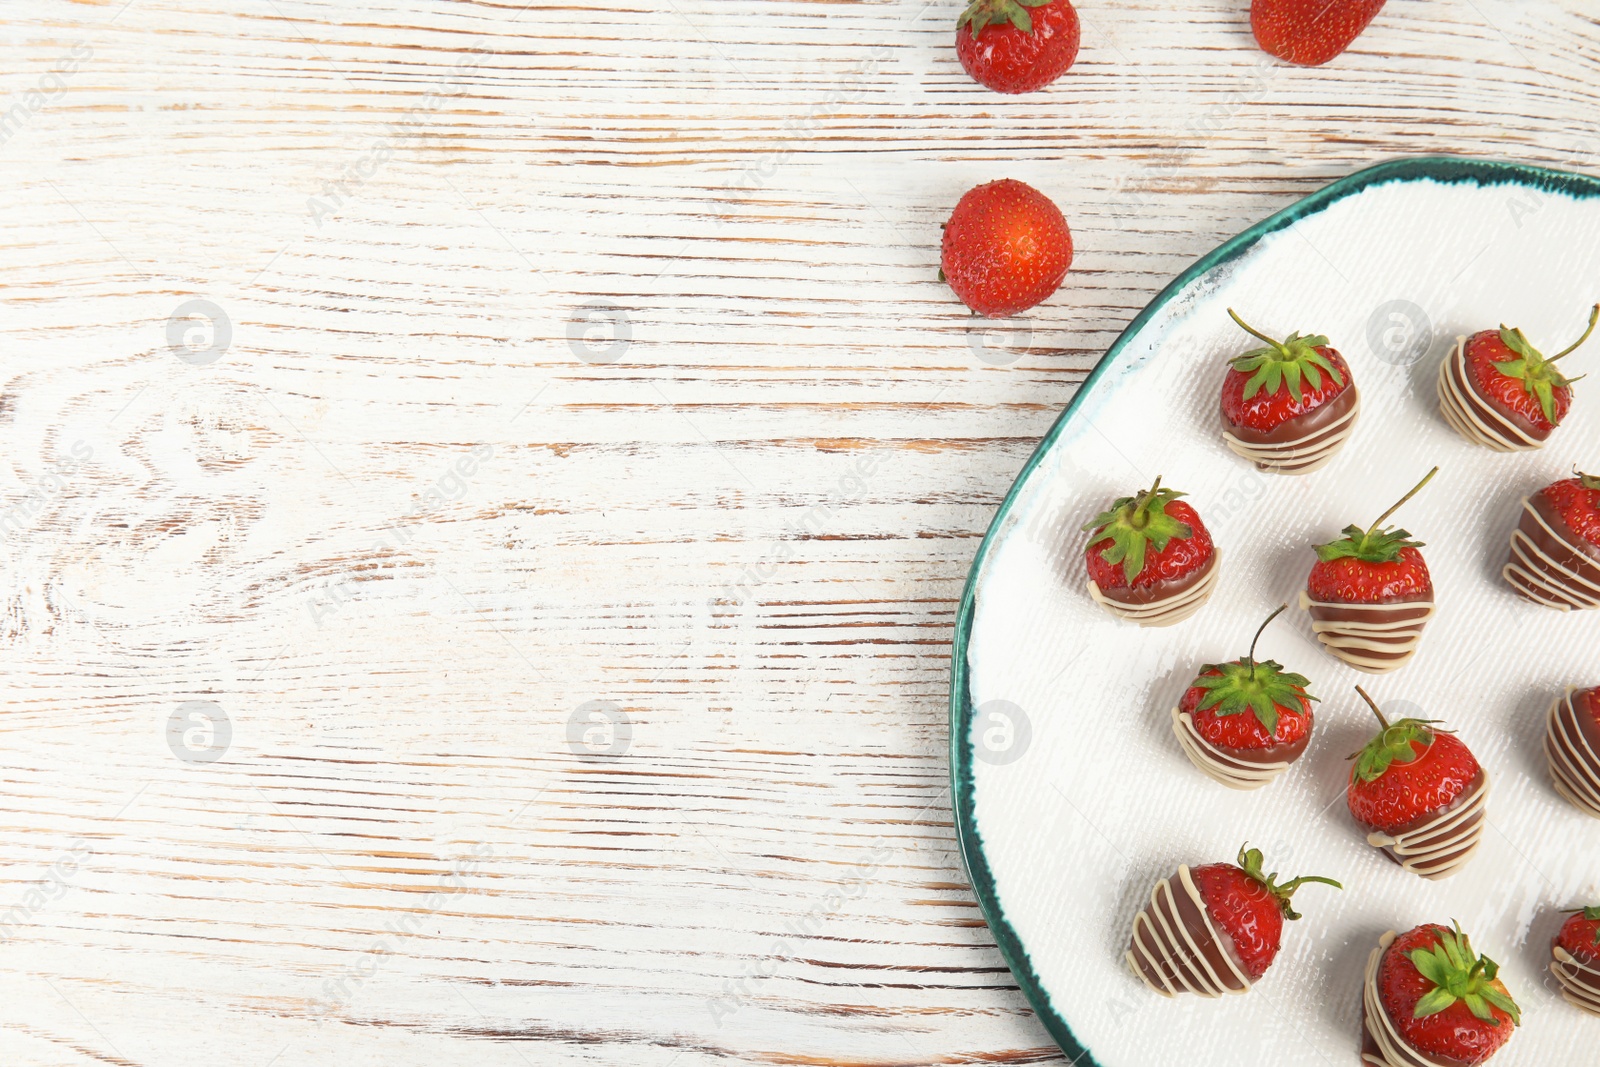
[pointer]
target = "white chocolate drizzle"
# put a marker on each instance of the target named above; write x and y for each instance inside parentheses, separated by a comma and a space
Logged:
(1574, 763)
(1233, 773)
(1304, 454)
(1501, 434)
(1540, 577)
(1580, 983)
(1441, 846)
(1355, 641)
(1167, 611)
(1169, 947)
(1392, 1048)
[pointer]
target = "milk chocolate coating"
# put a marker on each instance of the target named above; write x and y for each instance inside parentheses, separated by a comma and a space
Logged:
(1551, 537)
(1302, 444)
(1176, 948)
(1579, 978)
(1287, 752)
(1572, 747)
(1393, 646)
(1474, 822)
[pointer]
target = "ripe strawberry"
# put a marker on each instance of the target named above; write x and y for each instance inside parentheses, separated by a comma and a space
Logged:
(1250, 907)
(1408, 772)
(1267, 387)
(1518, 381)
(1146, 539)
(1008, 50)
(1446, 1002)
(1374, 565)
(1309, 32)
(1280, 720)
(1006, 248)
(1580, 936)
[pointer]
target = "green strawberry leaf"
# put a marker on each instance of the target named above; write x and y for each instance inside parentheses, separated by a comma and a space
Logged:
(983, 13)
(1538, 374)
(1457, 973)
(1135, 524)
(1283, 363)
(1433, 1003)
(1250, 861)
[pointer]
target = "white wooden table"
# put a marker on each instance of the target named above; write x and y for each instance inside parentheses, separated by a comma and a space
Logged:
(486, 489)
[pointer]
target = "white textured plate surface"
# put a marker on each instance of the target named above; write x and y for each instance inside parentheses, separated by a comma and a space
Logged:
(1067, 831)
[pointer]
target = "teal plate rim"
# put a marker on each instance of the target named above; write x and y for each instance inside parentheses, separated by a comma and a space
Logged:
(1444, 169)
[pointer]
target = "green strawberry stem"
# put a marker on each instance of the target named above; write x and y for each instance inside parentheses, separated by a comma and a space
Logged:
(1251, 655)
(1377, 543)
(1588, 481)
(1401, 502)
(1250, 860)
(1393, 744)
(1457, 973)
(1257, 334)
(1373, 704)
(1593, 317)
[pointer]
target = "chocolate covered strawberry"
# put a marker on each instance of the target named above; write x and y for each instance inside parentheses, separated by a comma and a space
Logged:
(1370, 594)
(1150, 558)
(1420, 794)
(1288, 406)
(1244, 722)
(1005, 248)
(1017, 46)
(1430, 999)
(1575, 959)
(1497, 390)
(1214, 929)
(1572, 748)
(1555, 549)
(1309, 32)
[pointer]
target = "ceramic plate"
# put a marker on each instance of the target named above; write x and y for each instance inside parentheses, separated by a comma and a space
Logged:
(1072, 796)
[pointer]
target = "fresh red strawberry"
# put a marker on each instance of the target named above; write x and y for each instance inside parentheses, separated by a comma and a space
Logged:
(1280, 708)
(1267, 387)
(1145, 539)
(1577, 502)
(1446, 1001)
(1309, 32)
(1006, 248)
(1250, 906)
(1580, 936)
(1518, 380)
(1407, 772)
(1017, 46)
(1372, 566)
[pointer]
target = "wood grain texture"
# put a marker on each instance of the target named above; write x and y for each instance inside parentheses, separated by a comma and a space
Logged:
(401, 520)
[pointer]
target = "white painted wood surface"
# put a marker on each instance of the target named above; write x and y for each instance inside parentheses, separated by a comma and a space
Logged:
(390, 524)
